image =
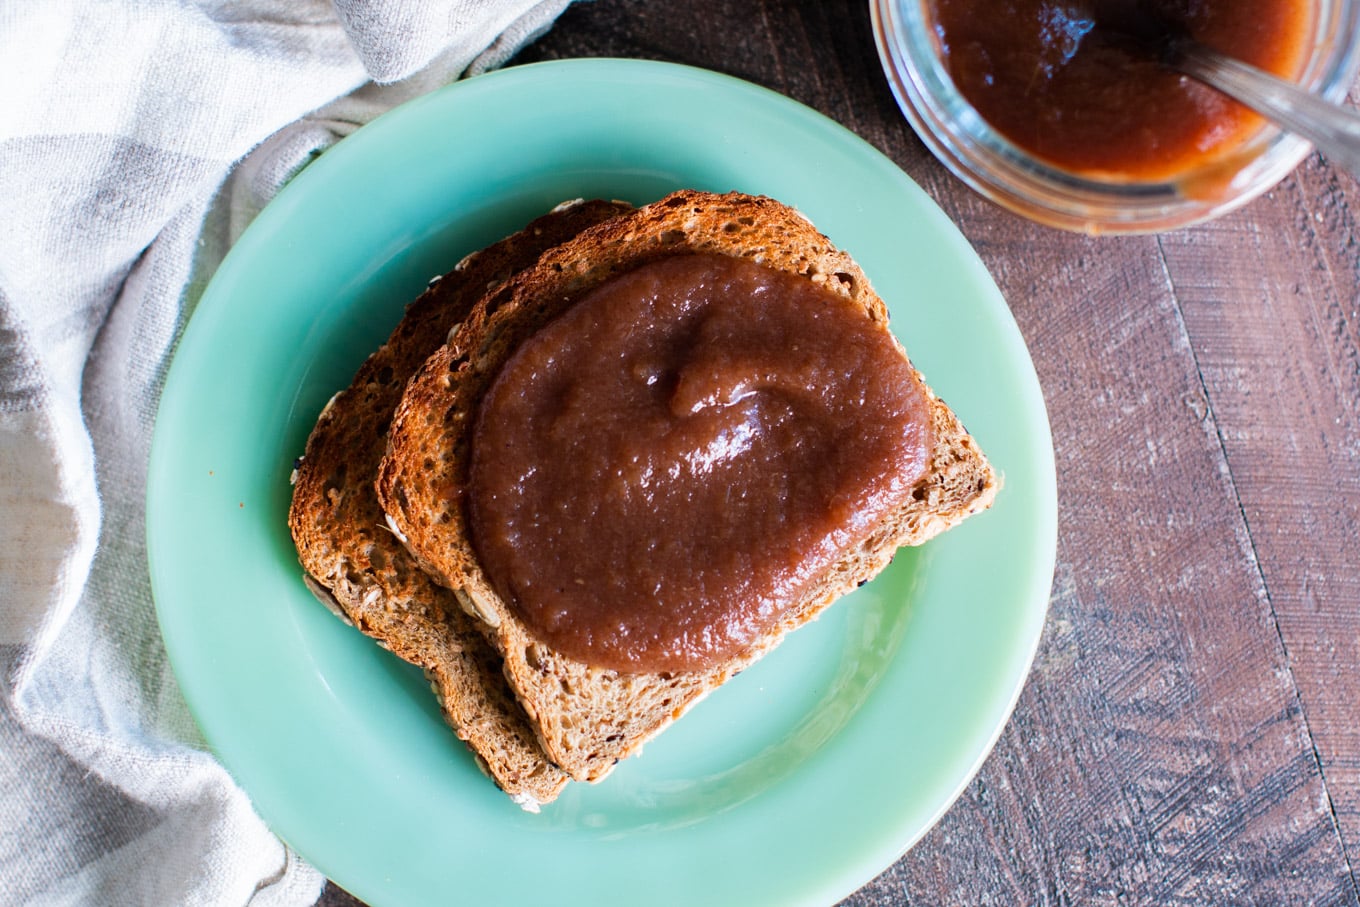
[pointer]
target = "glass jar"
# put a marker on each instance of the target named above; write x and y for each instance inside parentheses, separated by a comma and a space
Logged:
(1015, 179)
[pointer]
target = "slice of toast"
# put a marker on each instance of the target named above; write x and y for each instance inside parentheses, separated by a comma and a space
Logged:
(587, 717)
(363, 573)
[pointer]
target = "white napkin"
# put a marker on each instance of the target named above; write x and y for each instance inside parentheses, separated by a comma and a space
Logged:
(137, 139)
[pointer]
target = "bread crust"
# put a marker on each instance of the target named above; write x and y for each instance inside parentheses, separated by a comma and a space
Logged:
(588, 718)
(360, 570)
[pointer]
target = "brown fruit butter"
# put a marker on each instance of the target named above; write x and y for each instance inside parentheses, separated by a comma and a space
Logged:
(1079, 83)
(658, 474)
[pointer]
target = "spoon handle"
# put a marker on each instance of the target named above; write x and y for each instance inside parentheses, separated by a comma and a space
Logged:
(1333, 129)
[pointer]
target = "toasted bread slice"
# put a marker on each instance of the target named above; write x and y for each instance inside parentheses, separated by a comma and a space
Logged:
(363, 573)
(587, 717)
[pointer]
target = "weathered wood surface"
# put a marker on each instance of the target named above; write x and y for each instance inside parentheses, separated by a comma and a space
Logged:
(1190, 734)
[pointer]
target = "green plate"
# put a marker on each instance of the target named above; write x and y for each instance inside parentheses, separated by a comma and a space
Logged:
(797, 782)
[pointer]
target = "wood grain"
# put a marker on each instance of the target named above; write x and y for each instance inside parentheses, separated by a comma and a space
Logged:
(1190, 734)
(1270, 296)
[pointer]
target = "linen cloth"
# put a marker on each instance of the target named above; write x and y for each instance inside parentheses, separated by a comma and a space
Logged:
(138, 138)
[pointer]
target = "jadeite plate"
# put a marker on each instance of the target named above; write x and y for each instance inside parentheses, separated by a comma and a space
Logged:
(796, 783)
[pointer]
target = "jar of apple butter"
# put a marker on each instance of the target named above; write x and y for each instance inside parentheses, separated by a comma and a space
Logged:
(1045, 108)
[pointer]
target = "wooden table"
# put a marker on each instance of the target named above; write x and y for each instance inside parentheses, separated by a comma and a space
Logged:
(1190, 733)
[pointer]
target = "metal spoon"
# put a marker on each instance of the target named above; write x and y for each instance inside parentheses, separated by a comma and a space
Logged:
(1332, 128)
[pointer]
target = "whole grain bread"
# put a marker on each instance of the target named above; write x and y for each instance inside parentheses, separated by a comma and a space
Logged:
(586, 717)
(356, 566)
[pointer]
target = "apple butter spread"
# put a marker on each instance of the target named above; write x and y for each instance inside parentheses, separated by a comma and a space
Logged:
(1079, 83)
(658, 473)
